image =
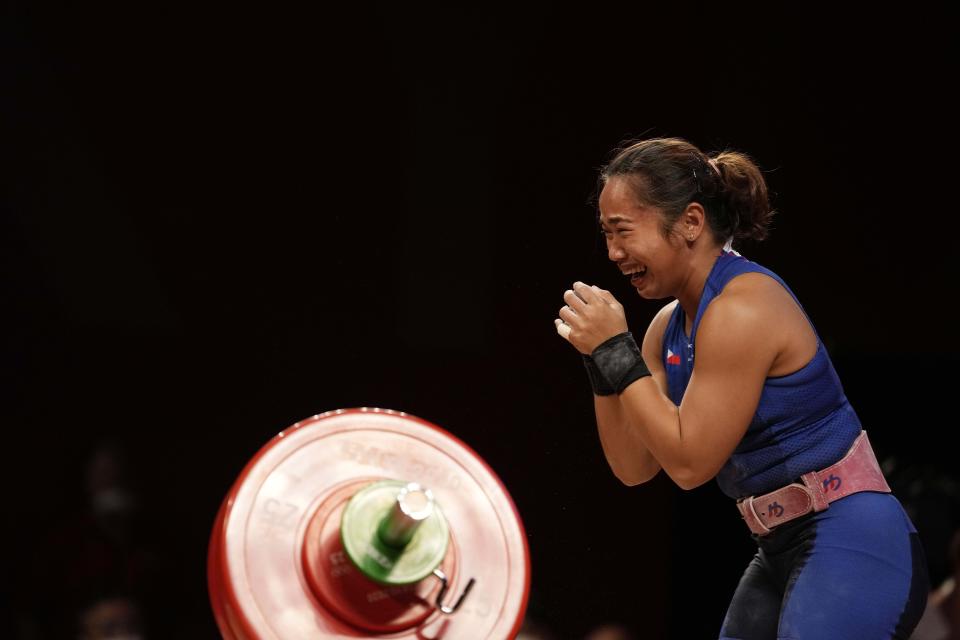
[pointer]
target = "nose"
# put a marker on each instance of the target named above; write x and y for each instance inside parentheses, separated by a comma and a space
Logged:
(614, 251)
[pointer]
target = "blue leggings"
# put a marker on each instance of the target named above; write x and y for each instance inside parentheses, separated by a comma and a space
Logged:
(855, 571)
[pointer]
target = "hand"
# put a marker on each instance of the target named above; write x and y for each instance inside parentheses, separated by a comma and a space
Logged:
(590, 317)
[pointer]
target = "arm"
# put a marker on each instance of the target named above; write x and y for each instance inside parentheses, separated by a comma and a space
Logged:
(740, 336)
(628, 457)
(693, 441)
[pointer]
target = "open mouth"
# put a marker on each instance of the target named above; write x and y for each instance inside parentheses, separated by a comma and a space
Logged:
(636, 275)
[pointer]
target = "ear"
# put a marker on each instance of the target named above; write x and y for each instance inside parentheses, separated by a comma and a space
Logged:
(692, 221)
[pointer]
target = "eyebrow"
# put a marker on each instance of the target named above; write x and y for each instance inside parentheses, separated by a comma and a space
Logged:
(612, 220)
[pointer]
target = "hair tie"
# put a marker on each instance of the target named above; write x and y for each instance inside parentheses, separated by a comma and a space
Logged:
(713, 163)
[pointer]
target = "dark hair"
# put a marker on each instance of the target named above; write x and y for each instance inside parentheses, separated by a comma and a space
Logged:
(670, 173)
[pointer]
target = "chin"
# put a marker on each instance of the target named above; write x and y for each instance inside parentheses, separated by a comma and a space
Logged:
(645, 294)
(651, 294)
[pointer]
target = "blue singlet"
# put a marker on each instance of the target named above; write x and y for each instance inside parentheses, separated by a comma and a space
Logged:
(855, 571)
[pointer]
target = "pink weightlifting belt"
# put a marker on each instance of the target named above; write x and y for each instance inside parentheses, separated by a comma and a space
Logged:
(857, 471)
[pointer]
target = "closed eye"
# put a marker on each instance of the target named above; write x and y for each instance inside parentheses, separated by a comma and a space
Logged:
(618, 231)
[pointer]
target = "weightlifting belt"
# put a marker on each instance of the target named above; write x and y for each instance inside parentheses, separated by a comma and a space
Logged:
(857, 471)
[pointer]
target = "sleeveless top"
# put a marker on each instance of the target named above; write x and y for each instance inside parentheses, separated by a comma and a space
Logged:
(803, 421)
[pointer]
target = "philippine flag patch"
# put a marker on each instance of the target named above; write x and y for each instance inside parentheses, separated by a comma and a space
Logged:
(672, 358)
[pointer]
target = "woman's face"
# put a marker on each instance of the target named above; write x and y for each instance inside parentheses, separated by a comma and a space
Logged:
(636, 244)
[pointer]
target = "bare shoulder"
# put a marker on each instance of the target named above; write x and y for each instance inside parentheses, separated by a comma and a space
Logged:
(659, 323)
(653, 339)
(756, 313)
(751, 298)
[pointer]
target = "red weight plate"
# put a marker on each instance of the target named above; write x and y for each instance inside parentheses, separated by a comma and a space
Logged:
(273, 565)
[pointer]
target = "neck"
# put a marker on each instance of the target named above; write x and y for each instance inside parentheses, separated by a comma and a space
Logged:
(691, 289)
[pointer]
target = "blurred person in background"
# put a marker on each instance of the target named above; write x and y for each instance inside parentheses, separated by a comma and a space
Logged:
(610, 631)
(533, 629)
(102, 547)
(941, 618)
(111, 617)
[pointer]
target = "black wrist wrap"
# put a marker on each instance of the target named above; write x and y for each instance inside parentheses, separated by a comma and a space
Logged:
(599, 384)
(619, 361)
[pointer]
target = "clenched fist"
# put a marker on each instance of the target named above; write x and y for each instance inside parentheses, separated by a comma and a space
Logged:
(590, 316)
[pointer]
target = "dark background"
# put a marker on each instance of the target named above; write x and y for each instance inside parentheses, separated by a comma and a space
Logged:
(220, 219)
